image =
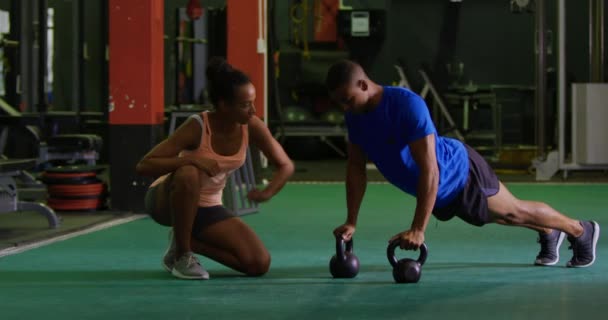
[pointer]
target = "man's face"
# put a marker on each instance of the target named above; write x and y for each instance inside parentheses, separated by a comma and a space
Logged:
(352, 97)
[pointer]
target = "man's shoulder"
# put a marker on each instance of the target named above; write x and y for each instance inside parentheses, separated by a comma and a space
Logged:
(401, 101)
(397, 91)
(401, 96)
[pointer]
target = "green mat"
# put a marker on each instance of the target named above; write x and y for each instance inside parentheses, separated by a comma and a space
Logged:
(471, 273)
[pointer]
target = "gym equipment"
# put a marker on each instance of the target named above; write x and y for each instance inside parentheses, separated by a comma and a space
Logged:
(430, 87)
(194, 9)
(7, 43)
(587, 116)
(333, 117)
(344, 264)
(298, 15)
(406, 270)
(69, 148)
(402, 78)
(311, 129)
(481, 117)
(75, 188)
(180, 39)
(297, 114)
(303, 72)
(470, 97)
(519, 6)
(9, 196)
(191, 47)
(240, 182)
(325, 14)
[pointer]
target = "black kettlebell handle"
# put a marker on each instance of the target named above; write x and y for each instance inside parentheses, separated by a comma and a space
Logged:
(390, 253)
(342, 247)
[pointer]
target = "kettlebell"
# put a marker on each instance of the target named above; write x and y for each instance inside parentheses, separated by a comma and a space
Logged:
(406, 270)
(344, 264)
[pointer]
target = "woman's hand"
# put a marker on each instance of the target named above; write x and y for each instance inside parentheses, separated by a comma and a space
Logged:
(259, 195)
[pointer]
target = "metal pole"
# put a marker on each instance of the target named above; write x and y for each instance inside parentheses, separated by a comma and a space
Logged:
(13, 90)
(76, 53)
(596, 40)
(42, 51)
(24, 80)
(541, 83)
(176, 54)
(81, 57)
(561, 80)
(105, 79)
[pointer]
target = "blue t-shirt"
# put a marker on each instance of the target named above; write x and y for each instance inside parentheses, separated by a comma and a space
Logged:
(384, 135)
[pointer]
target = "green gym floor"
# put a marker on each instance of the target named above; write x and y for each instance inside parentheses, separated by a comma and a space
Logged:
(471, 272)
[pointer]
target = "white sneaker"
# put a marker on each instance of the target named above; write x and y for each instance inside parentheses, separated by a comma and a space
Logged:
(188, 267)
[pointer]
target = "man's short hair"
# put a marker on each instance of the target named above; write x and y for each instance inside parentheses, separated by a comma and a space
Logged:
(339, 74)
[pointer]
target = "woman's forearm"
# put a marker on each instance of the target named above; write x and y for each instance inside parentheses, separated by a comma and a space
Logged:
(156, 167)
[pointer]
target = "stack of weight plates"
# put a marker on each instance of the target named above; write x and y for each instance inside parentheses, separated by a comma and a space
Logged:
(75, 188)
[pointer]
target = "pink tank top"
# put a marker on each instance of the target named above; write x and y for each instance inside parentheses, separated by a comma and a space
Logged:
(212, 187)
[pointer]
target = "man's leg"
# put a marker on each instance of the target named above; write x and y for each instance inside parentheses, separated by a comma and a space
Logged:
(508, 210)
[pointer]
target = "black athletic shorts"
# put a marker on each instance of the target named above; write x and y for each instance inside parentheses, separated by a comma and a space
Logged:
(471, 205)
(205, 216)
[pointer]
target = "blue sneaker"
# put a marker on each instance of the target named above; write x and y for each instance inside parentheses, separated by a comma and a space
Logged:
(583, 247)
(549, 248)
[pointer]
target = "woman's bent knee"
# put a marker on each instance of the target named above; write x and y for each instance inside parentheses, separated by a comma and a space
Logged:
(258, 265)
(186, 178)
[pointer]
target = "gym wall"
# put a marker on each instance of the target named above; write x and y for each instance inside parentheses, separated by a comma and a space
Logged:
(495, 45)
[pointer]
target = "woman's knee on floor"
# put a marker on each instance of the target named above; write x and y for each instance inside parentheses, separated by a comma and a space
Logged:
(255, 264)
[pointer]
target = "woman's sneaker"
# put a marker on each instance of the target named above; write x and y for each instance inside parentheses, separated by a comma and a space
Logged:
(549, 248)
(188, 267)
(583, 247)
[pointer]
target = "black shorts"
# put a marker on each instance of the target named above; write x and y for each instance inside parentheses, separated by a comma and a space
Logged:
(205, 216)
(471, 205)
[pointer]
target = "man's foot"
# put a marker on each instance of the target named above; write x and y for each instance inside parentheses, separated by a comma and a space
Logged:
(583, 247)
(549, 248)
(169, 257)
(188, 267)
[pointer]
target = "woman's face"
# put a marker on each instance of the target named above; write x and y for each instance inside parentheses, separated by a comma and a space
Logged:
(242, 108)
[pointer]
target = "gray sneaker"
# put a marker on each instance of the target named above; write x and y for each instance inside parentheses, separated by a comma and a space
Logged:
(549, 248)
(169, 257)
(583, 247)
(188, 267)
